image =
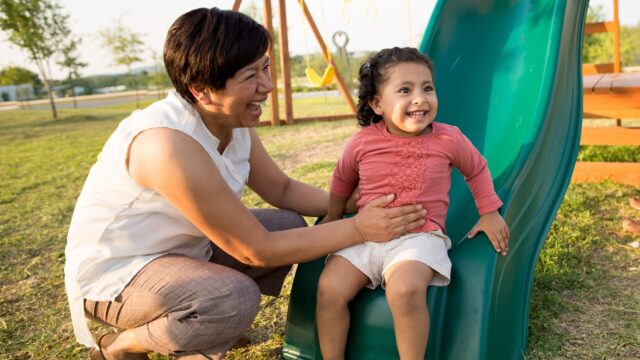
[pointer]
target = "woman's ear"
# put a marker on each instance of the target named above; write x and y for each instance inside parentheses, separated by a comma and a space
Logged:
(200, 93)
(375, 105)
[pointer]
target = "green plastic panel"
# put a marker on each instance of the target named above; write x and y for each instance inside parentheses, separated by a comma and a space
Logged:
(508, 73)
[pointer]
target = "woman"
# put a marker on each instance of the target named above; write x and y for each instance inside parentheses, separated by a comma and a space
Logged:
(160, 244)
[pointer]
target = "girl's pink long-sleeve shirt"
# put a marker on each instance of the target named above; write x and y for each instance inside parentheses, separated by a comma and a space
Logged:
(416, 169)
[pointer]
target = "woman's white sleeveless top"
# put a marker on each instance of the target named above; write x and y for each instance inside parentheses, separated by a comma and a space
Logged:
(119, 226)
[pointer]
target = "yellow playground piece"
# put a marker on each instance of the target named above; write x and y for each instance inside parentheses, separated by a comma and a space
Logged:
(312, 75)
(316, 80)
(327, 77)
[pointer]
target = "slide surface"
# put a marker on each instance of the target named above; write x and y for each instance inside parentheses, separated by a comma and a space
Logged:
(508, 73)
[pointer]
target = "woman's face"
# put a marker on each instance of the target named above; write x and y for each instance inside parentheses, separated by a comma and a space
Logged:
(240, 101)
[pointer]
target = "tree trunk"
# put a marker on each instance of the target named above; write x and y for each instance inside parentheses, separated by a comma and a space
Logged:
(51, 102)
(135, 87)
(73, 93)
(45, 78)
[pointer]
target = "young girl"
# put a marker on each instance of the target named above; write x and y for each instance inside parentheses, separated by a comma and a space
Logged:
(401, 151)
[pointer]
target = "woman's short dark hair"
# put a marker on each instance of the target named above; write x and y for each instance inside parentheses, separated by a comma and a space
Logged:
(206, 47)
(373, 74)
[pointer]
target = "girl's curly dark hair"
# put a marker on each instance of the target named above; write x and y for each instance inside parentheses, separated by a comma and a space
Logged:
(372, 74)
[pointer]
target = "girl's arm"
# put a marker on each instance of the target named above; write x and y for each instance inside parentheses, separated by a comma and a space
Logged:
(473, 166)
(176, 166)
(337, 205)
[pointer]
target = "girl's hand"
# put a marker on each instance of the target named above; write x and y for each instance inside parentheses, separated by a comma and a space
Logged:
(328, 218)
(377, 223)
(350, 207)
(496, 229)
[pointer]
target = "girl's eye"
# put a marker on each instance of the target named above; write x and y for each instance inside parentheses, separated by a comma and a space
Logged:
(404, 90)
(429, 88)
(250, 76)
(266, 67)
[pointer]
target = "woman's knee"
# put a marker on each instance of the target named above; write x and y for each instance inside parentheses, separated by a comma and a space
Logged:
(238, 303)
(279, 219)
(215, 320)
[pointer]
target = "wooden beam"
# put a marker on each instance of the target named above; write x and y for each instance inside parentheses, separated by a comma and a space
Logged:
(236, 5)
(606, 27)
(599, 27)
(273, 99)
(285, 62)
(315, 118)
(616, 39)
(325, 50)
(624, 173)
(610, 136)
(612, 105)
(590, 69)
(612, 114)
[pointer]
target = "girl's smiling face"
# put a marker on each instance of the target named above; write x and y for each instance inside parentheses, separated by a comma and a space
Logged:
(407, 100)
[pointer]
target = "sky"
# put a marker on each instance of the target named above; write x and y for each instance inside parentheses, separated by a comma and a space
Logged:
(370, 24)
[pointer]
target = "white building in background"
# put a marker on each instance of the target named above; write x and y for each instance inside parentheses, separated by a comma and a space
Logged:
(109, 89)
(16, 92)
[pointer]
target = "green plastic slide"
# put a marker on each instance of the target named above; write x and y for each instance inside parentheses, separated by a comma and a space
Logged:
(508, 73)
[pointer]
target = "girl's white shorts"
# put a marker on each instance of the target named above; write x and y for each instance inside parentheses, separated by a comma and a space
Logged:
(374, 259)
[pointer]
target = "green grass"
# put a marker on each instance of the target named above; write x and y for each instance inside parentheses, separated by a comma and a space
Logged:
(609, 153)
(586, 293)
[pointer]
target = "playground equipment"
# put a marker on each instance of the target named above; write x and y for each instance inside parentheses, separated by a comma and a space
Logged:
(285, 65)
(609, 93)
(327, 77)
(341, 40)
(508, 74)
(329, 71)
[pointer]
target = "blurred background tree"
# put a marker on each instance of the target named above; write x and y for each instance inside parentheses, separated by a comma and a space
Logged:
(598, 48)
(71, 62)
(40, 28)
(126, 48)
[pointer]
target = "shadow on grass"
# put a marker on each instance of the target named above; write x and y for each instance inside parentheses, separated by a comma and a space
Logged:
(81, 118)
(17, 124)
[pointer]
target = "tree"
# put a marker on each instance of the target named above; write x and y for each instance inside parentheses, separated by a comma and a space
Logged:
(597, 48)
(39, 27)
(159, 76)
(15, 75)
(71, 62)
(630, 45)
(126, 47)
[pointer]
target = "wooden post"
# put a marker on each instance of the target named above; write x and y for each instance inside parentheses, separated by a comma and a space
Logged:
(616, 39)
(236, 5)
(285, 61)
(616, 45)
(341, 85)
(273, 99)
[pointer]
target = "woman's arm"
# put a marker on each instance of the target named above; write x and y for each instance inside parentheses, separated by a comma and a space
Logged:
(176, 166)
(279, 190)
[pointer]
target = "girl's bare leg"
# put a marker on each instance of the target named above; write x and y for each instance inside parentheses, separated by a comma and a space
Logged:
(406, 290)
(339, 282)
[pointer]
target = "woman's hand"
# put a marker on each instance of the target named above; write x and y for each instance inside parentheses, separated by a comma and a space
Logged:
(377, 223)
(496, 229)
